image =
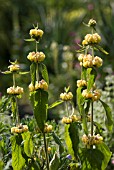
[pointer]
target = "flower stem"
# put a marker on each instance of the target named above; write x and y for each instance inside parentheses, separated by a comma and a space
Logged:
(37, 72)
(14, 83)
(46, 153)
(17, 111)
(66, 105)
(92, 118)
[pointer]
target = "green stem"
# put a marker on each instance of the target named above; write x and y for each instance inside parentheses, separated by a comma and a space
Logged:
(37, 72)
(66, 105)
(92, 118)
(17, 112)
(14, 83)
(36, 46)
(46, 153)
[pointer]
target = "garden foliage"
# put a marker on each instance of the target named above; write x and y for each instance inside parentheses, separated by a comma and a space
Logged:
(76, 142)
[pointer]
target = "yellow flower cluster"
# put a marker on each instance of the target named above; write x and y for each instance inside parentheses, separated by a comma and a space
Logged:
(88, 61)
(14, 67)
(92, 140)
(92, 23)
(36, 33)
(48, 128)
(70, 119)
(36, 57)
(81, 83)
(19, 129)
(15, 90)
(66, 96)
(91, 39)
(94, 95)
(41, 85)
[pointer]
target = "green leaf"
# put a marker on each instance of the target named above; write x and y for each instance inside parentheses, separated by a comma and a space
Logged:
(101, 49)
(6, 72)
(18, 161)
(55, 104)
(24, 72)
(109, 120)
(28, 143)
(44, 73)
(106, 153)
(54, 163)
(58, 141)
(33, 73)
(83, 111)
(72, 138)
(30, 40)
(40, 107)
(91, 73)
(91, 159)
(1, 165)
(80, 99)
(84, 73)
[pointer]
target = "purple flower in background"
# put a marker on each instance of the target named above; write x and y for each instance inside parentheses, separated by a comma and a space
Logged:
(90, 7)
(69, 156)
(112, 161)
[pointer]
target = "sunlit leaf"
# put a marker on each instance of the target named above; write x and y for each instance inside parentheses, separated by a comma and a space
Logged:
(91, 73)
(30, 40)
(24, 72)
(28, 143)
(18, 161)
(54, 163)
(106, 153)
(91, 159)
(72, 138)
(55, 104)
(6, 72)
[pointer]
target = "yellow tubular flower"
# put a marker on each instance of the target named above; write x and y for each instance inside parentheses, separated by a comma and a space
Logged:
(80, 58)
(36, 57)
(66, 96)
(87, 61)
(15, 90)
(14, 67)
(96, 95)
(31, 87)
(19, 129)
(35, 33)
(81, 83)
(66, 120)
(86, 94)
(97, 61)
(92, 23)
